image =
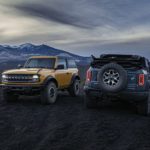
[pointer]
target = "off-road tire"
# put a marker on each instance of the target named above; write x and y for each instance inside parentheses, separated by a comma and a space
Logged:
(121, 80)
(74, 89)
(49, 94)
(90, 101)
(9, 97)
(143, 107)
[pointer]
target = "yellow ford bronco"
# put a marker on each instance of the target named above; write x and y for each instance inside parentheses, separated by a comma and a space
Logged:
(41, 75)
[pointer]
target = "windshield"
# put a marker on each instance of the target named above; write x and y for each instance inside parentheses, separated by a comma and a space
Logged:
(40, 63)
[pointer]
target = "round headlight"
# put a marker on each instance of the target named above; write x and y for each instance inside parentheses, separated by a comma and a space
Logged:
(4, 76)
(35, 77)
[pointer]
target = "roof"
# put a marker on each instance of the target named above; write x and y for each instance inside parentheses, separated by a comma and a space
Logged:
(43, 57)
(121, 56)
(50, 57)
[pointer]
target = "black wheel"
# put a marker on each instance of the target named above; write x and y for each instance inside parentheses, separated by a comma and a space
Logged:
(90, 101)
(49, 94)
(74, 89)
(112, 78)
(143, 107)
(9, 97)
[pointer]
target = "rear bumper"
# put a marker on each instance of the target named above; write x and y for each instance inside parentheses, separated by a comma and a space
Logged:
(22, 89)
(126, 95)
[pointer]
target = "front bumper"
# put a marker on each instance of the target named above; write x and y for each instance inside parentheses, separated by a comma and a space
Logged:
(126, 95)
(22, 89)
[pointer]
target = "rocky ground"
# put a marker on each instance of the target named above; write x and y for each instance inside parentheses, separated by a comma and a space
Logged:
(67, 125)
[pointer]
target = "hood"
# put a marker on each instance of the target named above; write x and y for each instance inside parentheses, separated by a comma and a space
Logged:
(24, 71)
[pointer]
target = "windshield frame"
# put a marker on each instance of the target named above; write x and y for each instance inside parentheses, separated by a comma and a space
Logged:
(29, 60)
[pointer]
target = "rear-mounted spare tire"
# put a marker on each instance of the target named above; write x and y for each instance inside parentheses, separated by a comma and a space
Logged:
(112, 78)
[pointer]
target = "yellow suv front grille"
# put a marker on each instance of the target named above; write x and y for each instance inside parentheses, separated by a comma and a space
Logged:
(20, 78)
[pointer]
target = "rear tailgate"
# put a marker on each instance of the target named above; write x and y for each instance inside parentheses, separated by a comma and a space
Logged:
(134, 79)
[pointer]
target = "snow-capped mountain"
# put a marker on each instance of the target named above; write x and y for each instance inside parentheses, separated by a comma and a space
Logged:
(22, 52)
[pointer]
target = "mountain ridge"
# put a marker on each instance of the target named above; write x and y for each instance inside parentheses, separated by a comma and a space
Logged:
(26, 50)
(10, 56)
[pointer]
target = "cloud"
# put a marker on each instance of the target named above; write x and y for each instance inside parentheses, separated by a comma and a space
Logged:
(52, 14)
(86, 13)
(79, 13)
(77, 24)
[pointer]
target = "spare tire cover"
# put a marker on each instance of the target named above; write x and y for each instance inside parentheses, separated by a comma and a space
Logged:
(112, 78)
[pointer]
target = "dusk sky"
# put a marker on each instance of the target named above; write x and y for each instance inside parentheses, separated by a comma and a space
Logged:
(83, 27)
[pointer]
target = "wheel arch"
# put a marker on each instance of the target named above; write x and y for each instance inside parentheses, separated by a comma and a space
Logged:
(74, 77)
(50, 79)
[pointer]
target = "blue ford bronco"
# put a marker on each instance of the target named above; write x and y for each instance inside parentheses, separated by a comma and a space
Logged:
(123, 77)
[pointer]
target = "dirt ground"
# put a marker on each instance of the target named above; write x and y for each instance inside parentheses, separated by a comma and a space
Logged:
(67, 125)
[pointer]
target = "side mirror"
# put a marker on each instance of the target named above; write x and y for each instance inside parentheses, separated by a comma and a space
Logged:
(20, 66)
(60, 67)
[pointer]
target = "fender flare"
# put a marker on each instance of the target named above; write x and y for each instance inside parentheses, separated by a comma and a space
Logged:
(75, 76)
(49, 79)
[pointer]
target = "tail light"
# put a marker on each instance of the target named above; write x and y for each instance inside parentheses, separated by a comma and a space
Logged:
(141, 79)
(88, 75)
